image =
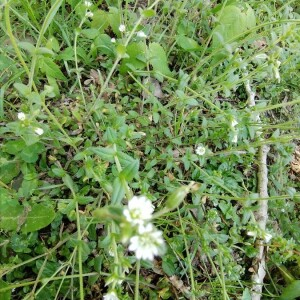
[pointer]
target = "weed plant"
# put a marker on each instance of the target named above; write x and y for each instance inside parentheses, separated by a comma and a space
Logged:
(129, 148)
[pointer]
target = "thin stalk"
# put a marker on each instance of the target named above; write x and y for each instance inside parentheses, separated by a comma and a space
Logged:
(137, 280)
(192, 280)
(79, 238)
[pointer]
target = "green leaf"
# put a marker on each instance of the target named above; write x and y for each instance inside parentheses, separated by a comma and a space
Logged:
(51, 69)
(39, 217)
(158, 59)
(100, 20)
(187, 44)
(9, 170)
(148, 13)
(7, 294)
(118, 191)
(106, 154)
(291, 292)
(23, 89)
(136, 59)
(27, 46)
(10, 211)
(233, 21)
(31, 153)
(14, 147)
(130, 171)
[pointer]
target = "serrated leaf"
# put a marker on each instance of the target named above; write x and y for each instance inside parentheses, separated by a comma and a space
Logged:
(23, 89)
(158, 59)
(187, 43)
(100, 20)
(291, 292)
(51, 69)
(38, 217)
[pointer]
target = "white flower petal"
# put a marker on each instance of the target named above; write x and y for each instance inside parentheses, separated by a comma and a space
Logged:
(110, 296)
(122, 28)
(89, 14)
(200, 150)
(21, 116)
(39, 131)
(141, 34)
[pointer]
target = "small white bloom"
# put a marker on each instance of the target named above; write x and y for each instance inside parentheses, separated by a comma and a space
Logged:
(122, 28)
(110, 296)
(88, 3)
(89, 14)
(113, 40)
(141, 34)
(261, 56)
(39, 131)
(251, 233)
(200, 150)
(139, 210)
(21, 116)
(234, 122)
(235, 137)
(148, 243)
(267, 237)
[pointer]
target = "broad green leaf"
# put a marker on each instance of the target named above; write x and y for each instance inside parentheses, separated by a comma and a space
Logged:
(158, 59)
(51, 69)
(6, 295)
(233, 21)
(4, 62)
(148, 13)
(100, 20)
(291, 292)
(118, 191)
(38, 217)
(104, 45)
(187, 43)
(106, 154)
(14, 147)
(91, 33)
(27, 46)
(23, 89)
(121, 51)
(130, 171)
(9, 170)
(114, 20)
(30, 154)
(136, 59)
(246, 294)
(10, 215)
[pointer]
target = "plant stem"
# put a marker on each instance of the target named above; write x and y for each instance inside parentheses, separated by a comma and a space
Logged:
(137, 280)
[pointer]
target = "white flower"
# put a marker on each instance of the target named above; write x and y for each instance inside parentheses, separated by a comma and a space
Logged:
(200, 150)
(139, 210)
(234, 122)
(89, 14)
(141, 34)
(251, 233)
(235, 137)
(113, 40)
(148, 243)
(39, 131)
(88, 3)
(122, 28)
(267, 237)
(110, 296)
(21, 116)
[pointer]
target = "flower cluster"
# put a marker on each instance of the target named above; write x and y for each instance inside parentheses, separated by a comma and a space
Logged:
(146, 241)
(88, 13)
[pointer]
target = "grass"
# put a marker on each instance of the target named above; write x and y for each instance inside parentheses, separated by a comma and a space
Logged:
(180, 117)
